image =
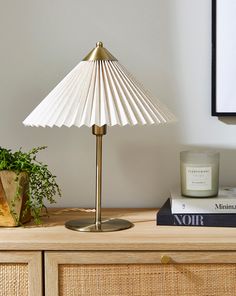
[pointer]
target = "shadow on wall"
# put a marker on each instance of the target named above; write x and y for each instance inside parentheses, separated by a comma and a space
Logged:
(231, 120)
(150, 169)
(140, 164)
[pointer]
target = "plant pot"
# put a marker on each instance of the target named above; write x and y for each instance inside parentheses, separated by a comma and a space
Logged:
(13, 196)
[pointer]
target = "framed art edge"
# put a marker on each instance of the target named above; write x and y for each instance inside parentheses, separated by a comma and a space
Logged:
(213, 58)
(214, 63)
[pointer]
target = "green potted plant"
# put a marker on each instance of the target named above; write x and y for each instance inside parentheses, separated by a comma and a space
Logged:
(25, 185)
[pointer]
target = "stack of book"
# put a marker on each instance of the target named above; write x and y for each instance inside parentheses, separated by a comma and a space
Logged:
(217, 211)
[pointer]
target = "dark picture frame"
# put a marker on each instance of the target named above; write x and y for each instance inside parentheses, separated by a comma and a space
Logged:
(219, 101)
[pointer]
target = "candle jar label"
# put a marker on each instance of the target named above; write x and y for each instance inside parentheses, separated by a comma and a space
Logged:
(198, 178)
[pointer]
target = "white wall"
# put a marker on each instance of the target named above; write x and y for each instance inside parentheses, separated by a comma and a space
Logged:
(166, 44)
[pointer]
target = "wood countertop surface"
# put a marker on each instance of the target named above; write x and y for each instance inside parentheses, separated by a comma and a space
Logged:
(144, 236)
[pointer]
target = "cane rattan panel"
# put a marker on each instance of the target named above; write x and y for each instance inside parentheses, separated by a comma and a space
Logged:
(147, 280)
(14, 280)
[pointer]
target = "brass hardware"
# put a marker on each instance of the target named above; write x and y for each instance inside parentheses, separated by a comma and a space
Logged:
(99, 53)
(97, 225)
(99, 130)
(165, 259)
(88, 225)
(99, 43)
(98, 218)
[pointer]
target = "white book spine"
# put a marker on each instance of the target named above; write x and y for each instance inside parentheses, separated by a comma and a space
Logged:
(217, 205)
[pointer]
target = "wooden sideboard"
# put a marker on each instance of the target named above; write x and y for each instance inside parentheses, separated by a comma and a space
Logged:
(144, 260)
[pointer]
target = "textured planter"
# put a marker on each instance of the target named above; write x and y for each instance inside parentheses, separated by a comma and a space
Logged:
(13, 195)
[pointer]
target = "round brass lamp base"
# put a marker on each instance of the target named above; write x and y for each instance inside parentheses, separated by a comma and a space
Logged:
(88, 225)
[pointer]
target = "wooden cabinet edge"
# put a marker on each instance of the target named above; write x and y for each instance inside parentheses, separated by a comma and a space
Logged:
(109, 247)
(51, 274)
(34, 261)
(36, 274)
(137, 257)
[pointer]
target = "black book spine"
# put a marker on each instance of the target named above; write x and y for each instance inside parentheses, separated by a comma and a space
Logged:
(165, 217)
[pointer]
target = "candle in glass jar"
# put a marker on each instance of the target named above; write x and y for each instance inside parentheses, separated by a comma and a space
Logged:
(199, 173)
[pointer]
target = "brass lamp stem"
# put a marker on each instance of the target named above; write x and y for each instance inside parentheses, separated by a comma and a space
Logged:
(98, 132)
(98, 219)
(97, 225)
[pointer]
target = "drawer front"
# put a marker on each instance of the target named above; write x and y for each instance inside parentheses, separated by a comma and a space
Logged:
(147, 279)
(140, 274)
(20, 274)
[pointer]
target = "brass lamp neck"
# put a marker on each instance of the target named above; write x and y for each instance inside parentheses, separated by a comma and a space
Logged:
(99, 130)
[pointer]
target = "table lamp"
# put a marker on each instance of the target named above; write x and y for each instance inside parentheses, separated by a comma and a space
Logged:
(98, 92)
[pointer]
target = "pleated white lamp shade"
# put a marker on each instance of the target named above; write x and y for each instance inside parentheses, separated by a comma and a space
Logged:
(98, 92)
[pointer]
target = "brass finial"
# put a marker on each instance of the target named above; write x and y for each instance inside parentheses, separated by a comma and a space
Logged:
(99, 53)
(99, 44)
